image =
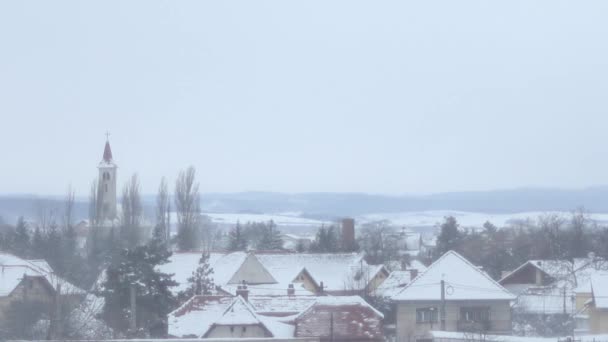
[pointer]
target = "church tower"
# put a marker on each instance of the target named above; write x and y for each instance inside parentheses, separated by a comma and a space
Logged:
(106, 188)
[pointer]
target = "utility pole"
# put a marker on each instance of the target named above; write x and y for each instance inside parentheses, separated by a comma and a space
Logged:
(564, 291)
(442, 312)
(133, 317)
(55, 325)
(331, 327)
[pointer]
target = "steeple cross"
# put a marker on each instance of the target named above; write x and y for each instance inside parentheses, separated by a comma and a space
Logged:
(107, 135)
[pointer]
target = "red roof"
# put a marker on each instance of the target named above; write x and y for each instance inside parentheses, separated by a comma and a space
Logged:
(107, 152)
(344, 322)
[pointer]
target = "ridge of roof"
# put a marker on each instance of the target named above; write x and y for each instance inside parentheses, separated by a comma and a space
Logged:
(438, 262)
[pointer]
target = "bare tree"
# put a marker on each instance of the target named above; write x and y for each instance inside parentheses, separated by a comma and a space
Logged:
(187, 205)
(132, 211)
(68, 208)
(163, 207)
(94, 205)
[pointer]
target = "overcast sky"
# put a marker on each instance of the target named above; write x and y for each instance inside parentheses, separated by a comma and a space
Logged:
(297, 96)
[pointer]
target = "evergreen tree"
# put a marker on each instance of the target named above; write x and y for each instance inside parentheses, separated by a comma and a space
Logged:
(201, 281)
(237, 241)
(21, 243)
(38, 244)
(326, 240)
(271, 237)
(138, 268)
(450, 237)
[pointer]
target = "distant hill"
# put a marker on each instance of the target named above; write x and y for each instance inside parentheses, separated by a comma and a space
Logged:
(331, 205)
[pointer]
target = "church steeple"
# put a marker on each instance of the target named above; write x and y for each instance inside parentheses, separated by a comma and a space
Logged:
(107, 185)
(107, 152)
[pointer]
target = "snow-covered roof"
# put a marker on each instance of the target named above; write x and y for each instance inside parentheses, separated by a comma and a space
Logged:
(183, 264)
(573, 275)
(200, 314)
(395, 282)
(239, 312)
(336, 271)
(280, 305)
(279, 289)
(13, 269)
(599, 284)
(195, 317)
(463, 281)
(544, 301)
(346, 318)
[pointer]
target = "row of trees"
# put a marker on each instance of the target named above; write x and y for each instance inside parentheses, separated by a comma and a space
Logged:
(550, 237)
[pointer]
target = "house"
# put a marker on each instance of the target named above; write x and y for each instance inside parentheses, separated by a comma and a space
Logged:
(224, 317)
(32, 281)
(347, 318)
(273, 273)
(285, 316)
(472, 301)
(559, 288)
(598, 304)
(293, 242)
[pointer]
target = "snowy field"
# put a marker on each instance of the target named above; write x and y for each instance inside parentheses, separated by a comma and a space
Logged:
(466, 219)
(292, 221)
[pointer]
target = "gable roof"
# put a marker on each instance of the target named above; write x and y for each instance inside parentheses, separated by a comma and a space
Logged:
(335, 270)
(13, 269)
(183, 264)
(195, 316)
(599, 290)
(575, 275)
(346, 317)
(395, 282)
(463, 281)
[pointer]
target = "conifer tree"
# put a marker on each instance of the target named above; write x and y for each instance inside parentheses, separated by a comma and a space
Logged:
(271, 237)
(138, 267)
(237, 241)
(201, 281)
(449, 238)
(21, 243)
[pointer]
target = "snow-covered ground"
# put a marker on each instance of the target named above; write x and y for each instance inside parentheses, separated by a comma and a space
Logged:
(292, 221)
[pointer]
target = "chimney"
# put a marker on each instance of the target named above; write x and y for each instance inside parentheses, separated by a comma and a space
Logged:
(348, 234)
(242, 291)
(321, 288)
(291, 291)
(413, 273)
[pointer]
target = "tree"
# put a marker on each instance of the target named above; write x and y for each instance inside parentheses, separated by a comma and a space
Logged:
(21, 243)
(449, 238)
(132, 212)
(236, 239)
(378, 243)
(138, 268)
(326, 240)
(271, 237)
(201, 281)
(163, 212)
(94, 205)
(187, 205)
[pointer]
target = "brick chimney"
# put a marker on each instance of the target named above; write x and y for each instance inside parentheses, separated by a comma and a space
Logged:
(291, 291)
(413, 273)
(243, 291)
(348, 234)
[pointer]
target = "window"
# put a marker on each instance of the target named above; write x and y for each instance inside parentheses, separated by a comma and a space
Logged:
(106, 187)
(475, 314)
(426, 315)
(244, 329)
(231, 329)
